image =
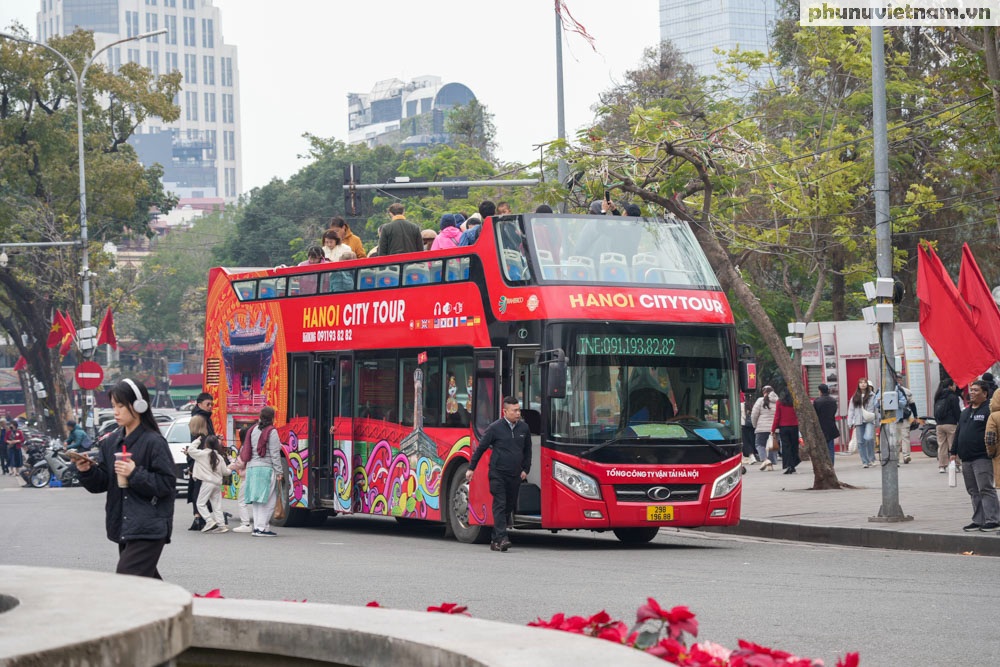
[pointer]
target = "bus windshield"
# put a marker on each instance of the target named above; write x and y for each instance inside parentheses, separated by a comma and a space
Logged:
(646, 383)
(618, 249)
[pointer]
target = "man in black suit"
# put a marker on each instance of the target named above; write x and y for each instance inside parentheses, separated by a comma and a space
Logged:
(510, 439)
(826, 409)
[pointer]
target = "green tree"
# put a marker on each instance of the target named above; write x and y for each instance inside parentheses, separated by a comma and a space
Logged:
(472, 125)
(39, 185)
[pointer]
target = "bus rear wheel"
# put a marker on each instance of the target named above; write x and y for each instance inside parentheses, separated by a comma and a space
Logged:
(458, 511)
(636, 535)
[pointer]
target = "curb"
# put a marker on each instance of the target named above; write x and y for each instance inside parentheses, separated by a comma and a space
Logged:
(981, 545)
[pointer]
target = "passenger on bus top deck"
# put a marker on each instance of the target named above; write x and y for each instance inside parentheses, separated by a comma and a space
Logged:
(343, 231)
(428, 236)
(314, 256)
(334, 249)
(486, 209)
(449, 235)
(503, 208)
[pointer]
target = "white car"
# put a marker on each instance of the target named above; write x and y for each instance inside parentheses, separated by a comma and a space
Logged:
(178, 437)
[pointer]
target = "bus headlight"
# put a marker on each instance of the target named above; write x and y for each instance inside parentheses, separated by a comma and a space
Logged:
(576, 481)
(727, 482)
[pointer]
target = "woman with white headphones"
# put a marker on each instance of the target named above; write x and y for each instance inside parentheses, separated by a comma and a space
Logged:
(140, 486)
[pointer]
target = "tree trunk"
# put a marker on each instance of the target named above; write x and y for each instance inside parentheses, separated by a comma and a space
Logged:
(824, 476)
(993, 72)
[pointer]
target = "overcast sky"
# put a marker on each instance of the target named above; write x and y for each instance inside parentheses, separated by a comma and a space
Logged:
(297, 64)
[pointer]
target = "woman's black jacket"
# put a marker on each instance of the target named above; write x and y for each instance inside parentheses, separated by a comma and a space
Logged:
(144, 510)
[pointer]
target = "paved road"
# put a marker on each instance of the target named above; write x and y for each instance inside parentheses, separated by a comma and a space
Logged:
(893, 607)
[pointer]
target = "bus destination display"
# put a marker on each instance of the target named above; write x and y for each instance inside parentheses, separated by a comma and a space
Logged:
(651, 346)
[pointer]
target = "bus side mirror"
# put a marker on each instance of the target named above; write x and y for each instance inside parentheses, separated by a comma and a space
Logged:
(555, 385)
(748, 376)
(555, 378)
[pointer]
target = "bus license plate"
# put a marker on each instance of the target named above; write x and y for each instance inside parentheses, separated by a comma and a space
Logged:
(660, 513)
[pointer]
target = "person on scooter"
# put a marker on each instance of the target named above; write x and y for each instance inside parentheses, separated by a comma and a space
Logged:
(77, 437)
(139, 511)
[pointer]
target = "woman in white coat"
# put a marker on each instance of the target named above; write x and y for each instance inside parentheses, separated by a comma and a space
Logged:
(861, 405)
(762, 417)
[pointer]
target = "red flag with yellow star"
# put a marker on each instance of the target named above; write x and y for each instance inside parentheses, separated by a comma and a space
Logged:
(58, 330)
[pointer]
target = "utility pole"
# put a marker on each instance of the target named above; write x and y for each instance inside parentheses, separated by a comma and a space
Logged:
(890, 511)
(561, 171)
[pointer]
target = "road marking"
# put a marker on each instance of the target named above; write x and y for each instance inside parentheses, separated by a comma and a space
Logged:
(336, 544)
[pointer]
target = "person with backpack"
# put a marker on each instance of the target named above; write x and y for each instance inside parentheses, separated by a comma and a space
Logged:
(947, 410)
(263, 460)
(210, 467)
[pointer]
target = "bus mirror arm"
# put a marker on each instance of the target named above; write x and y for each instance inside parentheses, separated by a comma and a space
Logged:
(555, 376)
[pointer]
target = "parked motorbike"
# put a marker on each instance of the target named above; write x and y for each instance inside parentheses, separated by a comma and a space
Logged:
(54, 463)
(34, 456)
(928, 437)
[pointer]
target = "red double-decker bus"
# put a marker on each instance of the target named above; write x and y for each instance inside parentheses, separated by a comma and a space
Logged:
(384, 372)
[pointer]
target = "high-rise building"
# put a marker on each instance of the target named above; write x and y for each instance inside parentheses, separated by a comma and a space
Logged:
(697, 27)
(200, 152)
(404, 114)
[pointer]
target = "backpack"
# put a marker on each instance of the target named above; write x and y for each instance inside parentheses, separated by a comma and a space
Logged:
(941, 409)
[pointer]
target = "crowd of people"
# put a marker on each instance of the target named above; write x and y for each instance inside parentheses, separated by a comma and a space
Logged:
(11, 443)
(400, 235)
(968, 434)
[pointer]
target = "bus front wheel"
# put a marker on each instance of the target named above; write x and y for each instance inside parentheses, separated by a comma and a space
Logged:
(636, 535)
(458, 511)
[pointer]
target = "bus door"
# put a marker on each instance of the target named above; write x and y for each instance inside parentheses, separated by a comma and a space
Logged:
(527, 387)
(324, 401)
(343, 436)
(485, 410)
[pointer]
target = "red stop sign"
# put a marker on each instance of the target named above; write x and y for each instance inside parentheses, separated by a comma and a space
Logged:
(89, 375)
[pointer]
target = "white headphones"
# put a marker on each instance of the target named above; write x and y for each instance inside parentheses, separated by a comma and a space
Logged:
(139, 405)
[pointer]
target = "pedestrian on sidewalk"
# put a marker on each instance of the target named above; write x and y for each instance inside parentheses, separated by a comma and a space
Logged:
(749, 441)
(15, 441)
(264, 472)
(905, 409)
(786, 425)
(861, 415)
(977, 471)
(198, 429)
(238, 468)
(762, 417)
(510, 462)
(947, 410)
(826, 411)
(993, 435)
(209, 468)
(3, 445)
(139, 516)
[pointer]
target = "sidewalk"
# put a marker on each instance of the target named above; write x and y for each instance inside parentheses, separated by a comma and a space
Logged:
(782, 507)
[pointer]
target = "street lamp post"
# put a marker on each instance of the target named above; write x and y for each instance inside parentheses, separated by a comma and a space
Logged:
(79, 80)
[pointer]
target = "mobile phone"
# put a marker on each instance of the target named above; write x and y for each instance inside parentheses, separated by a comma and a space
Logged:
(607, 196)
(76, 456)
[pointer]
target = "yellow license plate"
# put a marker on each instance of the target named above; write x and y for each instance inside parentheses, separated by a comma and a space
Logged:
(660, 513)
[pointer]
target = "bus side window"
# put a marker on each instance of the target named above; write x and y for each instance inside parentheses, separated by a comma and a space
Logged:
(298, 398)
(456, 395)
(376, 397)
(336, 282)
(272, 288)
(246, 290)
(457, 269)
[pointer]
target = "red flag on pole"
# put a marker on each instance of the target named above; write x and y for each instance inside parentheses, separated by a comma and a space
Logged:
(985, 314)
(21, 364)
(69, 333)
(106, 334)
(946, 323)
(57, 331)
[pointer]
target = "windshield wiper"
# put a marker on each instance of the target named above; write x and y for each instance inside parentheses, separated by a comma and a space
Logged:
(690, 430)
(615, 441)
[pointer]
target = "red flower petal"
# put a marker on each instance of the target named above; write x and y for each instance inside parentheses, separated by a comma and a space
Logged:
(373, 604)
(448, 608)
(850, 660)
(214, 593)
(648, 611)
